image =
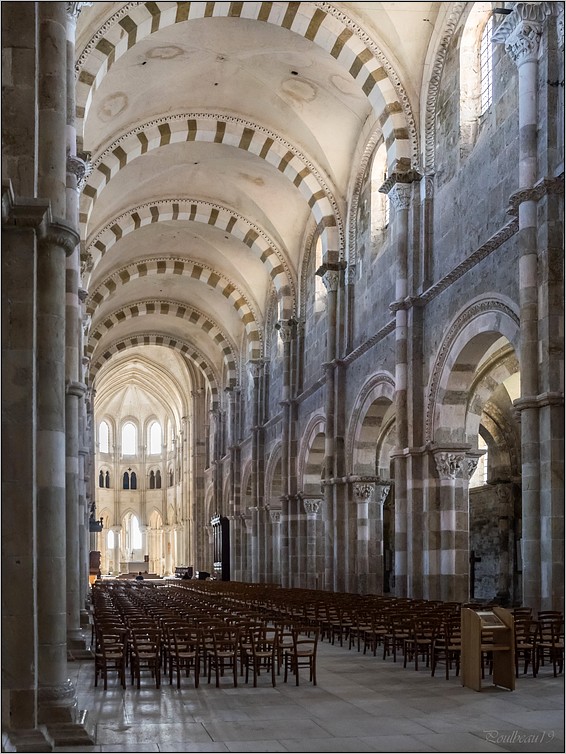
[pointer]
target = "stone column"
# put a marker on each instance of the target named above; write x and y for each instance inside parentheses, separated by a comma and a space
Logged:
(452, 468)
(504, 516)
(275, 516)
(116, 554)
(362, 492)
(254, 536)
(521, 31)
(75, 392)
(315, 558)
(285, 329)
(333, 527)
(19, 501)
(399, 190)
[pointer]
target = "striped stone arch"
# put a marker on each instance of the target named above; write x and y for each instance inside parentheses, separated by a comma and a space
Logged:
(319, 22)
(194, 270)
(230, 131)
(311, 457)
(468, 338)
(208, 213)
(158, 339)
(366, 423)
(499, 368)
(169, 309)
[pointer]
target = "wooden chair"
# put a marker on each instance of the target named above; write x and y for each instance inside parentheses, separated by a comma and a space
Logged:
(145, 654)
(224, 653)
(550, 645)
(303, 654)
(185, 653)
(448, 646)
(421, 639)
(263, 652)
(110, 654)
(525, 643)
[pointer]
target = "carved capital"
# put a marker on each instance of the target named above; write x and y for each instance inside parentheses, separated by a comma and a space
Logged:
(400, 196)
(77, 167)
(74, 9)
(256, 367)
(58, 233)
(312, 505)
(331, 280)
(523, 44)
(382, 493)
(451, 464)
(363, 491)
(287, 329)
(275, 516)
(522, 29)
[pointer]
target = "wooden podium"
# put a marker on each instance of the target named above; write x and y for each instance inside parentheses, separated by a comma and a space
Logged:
(492, 631)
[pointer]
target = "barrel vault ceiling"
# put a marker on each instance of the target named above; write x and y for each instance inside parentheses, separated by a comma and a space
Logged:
(218, 134)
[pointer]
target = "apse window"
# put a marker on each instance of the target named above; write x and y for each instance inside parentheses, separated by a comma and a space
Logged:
(128, 439)
(103, 438)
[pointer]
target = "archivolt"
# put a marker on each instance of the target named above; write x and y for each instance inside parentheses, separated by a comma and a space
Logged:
(158, 339)
(216, 215)
(170, 309)
(320, 23)
(194, 270)
(219, 129)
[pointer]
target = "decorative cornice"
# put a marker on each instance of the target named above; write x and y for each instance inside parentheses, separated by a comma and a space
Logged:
(547, 185)
(493, 243)
(434, 85)
(370, 343)
(399, 178)
(539, 401)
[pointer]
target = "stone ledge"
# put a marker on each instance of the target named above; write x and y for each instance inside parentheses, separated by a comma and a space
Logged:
(81, 733)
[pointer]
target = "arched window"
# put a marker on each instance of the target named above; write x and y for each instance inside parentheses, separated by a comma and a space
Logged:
(101, 479)
(107, 480)
(158, 480)
(133, 481)
(486, 66)
(151, 480)
(170, 477)
(155, 438)
(479, 477)
(126, 481)
(380, 202)
(110, 540)
(128, 439)
(104, 438)
(476, 73)
(319, 289)
(135, 533)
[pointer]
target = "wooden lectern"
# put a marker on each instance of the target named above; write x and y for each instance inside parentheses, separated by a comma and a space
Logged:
(492, 631)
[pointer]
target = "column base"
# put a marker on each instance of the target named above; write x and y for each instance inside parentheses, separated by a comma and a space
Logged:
(84, 618)
(80, 733)
(32, 740)
(57, 704)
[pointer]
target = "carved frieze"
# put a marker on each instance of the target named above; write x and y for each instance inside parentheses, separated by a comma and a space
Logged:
(450, 465)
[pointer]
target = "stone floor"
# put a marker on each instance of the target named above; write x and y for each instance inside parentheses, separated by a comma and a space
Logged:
(360, 704)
